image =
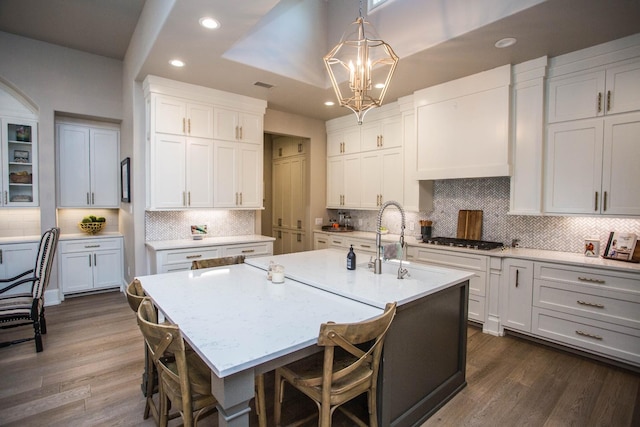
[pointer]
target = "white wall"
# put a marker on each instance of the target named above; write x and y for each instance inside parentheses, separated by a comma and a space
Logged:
(64, 80)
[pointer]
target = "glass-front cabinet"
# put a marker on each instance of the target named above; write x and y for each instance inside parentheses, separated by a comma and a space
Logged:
(19, 163)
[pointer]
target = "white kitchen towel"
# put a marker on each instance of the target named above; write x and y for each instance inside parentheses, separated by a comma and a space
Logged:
(392, 251)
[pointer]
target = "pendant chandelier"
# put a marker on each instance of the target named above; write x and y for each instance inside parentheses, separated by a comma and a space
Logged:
(361, 67)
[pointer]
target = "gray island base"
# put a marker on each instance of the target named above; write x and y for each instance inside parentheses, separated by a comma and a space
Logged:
(424, 359)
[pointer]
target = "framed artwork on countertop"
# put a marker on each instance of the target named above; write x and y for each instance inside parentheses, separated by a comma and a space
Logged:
(125, 183)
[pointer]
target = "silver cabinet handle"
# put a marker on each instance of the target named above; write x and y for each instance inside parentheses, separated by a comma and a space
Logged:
(248, 251)
(93, 198)
(88, 202)
(590, 304)
(194, 256)
(0, 256)
(599, 102)
(586, 334)
(91, 246)
(95, 260)
(89, 260)
(517, 277)
(319, 241)
(590, 280)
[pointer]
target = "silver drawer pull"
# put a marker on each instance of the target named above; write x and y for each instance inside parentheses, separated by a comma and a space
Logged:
(590, 304)
(322, 241)
(586, 334)
(587, 279)
(248, 251)
(336, 242)
(91, 246)
(194, 256)
(365, 246)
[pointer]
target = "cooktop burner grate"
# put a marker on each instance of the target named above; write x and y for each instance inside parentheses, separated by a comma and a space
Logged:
(463, 243)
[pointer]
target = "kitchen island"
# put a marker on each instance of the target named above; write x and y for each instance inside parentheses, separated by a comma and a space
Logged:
(242, 325)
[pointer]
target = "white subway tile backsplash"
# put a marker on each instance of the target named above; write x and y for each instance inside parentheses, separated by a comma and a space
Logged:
(19, 222)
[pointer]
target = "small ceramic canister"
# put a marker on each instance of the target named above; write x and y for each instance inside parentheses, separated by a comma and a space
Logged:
(592, 247)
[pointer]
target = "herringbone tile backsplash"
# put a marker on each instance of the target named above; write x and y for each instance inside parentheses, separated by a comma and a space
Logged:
(491, 195)
(174, 225)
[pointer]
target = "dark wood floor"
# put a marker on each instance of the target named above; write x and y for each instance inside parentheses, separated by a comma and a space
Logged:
(89, 375)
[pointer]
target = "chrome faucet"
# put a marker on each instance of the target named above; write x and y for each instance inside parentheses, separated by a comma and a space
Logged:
(377, 263)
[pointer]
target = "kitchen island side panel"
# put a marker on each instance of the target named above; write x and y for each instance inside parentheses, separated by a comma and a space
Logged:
(424, 359)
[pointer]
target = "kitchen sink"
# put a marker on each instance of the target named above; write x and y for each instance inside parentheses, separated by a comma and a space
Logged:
(416, 272)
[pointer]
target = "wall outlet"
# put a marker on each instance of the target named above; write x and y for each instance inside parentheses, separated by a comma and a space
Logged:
(359, 222)
(412, 225)
(318, 221)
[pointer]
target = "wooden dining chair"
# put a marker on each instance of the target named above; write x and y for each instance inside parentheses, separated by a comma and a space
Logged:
(135, 296)
(216, 262)
(184, 379)
(261, 407)
(347, 368)
(27, 308)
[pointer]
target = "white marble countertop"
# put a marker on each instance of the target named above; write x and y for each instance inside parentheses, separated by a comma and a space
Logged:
(326, 269)
(159, 245)
(19, 239)
(79, 236)
(236, 319)
(572, 258)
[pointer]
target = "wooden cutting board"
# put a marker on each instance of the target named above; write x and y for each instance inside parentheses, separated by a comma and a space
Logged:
(469, 225)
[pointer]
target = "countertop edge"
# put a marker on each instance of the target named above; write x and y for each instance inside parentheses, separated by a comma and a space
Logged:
(161, 245)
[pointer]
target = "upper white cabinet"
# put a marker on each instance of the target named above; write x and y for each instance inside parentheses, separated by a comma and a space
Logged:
(182, 172)
(463, 127)
(365, 163)
(598, 180)
(527, 137)
(88, 166)
(383, 133)
(237, 175)
(177, 116)
(343, 141)
(233, 125)
(204, 147)
(19, 162)
(609, 89)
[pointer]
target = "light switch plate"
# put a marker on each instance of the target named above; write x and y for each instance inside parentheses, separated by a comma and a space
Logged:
(318, 221)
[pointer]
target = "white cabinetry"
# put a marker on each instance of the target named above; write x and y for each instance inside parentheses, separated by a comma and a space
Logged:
(527, 137)
(472, 263)
(590, 165)
(19, 162)
(288, 241)
(181, 172)
(178, 116)
(517, 294)
(233, 125)
(381, 177)
(88, 166)
(610, 89)
(343, 181)
(463, 127)
(179, 259)
(365, 164)
(90, 264)
(590, 309)
(237, 175)
(320, 241)
(383, 133)
(16, 258)
(185, 167)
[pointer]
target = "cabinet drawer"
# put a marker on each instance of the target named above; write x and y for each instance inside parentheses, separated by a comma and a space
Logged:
(600, 304)
(89, 245)
(255, 249)
(462, 260)
(476, 308)
(604, 338)
(362, 246)
(595, 278)
(337, 241)
(183, 256)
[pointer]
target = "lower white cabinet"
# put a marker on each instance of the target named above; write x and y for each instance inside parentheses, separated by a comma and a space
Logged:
(16, 258)
(517, 294)
(90, 264)
(590, 309)
(180, 259)
(476, 264)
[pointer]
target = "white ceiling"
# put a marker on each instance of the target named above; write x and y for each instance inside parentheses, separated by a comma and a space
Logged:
(282, 42)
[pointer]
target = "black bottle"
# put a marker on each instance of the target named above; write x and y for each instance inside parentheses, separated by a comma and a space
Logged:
(351, 259)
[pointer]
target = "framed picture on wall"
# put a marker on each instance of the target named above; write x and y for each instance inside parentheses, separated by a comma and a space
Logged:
(125, 185)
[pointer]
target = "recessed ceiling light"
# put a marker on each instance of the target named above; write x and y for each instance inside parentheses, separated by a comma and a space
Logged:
(329, 103)
(209, 23)
(379, 85)
(505, 42)
(176, 63)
